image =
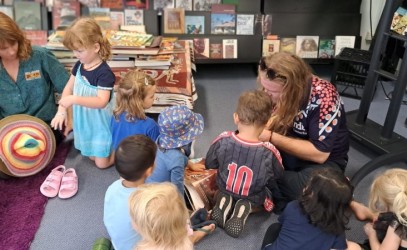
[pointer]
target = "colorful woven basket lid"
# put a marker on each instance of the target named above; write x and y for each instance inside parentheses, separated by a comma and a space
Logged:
(27, 145)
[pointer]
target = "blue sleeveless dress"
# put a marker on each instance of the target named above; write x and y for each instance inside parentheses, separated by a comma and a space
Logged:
(91, 126)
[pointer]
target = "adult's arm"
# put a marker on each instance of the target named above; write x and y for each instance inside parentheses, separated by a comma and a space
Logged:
(302, 149)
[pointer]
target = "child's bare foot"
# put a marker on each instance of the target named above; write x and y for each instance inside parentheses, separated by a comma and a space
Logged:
(200, 233)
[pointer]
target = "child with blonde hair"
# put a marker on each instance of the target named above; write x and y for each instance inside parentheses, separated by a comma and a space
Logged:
(388, 196)
(135, 94)
(161, 218)
(89, 91)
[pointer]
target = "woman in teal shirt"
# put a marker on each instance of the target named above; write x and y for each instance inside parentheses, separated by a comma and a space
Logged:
(29, 76)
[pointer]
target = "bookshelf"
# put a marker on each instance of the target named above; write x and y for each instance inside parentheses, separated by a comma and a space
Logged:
(248, 46)
(323, 18)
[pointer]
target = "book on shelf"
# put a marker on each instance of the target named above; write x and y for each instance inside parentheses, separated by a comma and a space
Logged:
(270, 46)
(163, 4)
(55, 40)
(128, 39)
(133, 17)
(111, 4)
(64, 13)
(28, 15)
(8, 10)
(288, 44)
(170, 45)
(194, 24)
(200, 188)
(138, 4)
(223, 23)
(223, 8)
(136, 28)
(229, 48)
(101, 16)
(326, 48)
(344, 42)
(262, 24)
(88, 3)
(120, 63)
(174, 22)
(116, 19)
(37, 37)
(244, 24)
(201, 48)
(215, 51)
(204, 5)
(135, 51)
(185, 4)
(398, 25)
(307, 46)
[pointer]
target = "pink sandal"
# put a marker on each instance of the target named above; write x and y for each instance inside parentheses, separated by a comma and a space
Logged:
(50, 186)
(69, 184)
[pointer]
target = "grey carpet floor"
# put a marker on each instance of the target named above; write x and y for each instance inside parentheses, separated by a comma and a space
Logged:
(75, 223)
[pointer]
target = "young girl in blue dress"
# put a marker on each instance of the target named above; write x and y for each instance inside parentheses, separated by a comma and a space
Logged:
(89, 91)
(135, 94)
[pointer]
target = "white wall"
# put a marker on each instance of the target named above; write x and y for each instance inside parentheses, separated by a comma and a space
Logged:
(377, 8)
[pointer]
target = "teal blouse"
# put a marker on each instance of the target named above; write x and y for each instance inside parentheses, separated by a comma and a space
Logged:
(33, 92)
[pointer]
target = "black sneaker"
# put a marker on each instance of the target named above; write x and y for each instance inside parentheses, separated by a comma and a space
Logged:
(221, 209)
(234, 226)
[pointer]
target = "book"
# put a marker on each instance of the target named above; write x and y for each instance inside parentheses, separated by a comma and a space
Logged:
(116, 19)
(229, 48)
(138, 4)
(64, 13)
(223, 23)
(223, 8)
(201, 48)
(28, 15)
(101, 16)
(112, 4)
(185, 4)
(204, 5)
(128, 39)
(200, 188)
(163, 4)
(37, 37)
(120, 64)
(133, 17)
(266, 24)
(244, 24)
(344, 42)
(194, 24)
(270, 47)
(326, 48)
(215, 51)
(307, 46)
(398, 14)
(174, 22)
(288, 44)
(8, 10)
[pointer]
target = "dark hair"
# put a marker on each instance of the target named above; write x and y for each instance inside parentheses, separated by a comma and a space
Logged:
(134, 155)
(326, 200)
(254, 108)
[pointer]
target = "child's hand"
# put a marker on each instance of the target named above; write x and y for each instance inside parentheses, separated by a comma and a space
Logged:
(59, 120)
(369, 230)
(67, 101)
(196, 167)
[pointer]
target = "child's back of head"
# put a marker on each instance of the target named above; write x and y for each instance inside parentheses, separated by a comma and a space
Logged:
(132, 91)
(388, 193)
(254, 108)
(134, 155)
(160, 216)
(326, 200)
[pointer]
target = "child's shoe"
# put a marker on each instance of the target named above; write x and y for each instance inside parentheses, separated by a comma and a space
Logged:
(234, 226)
(221, 209)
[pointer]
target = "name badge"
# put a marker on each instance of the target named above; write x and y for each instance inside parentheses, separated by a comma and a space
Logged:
(32, 75)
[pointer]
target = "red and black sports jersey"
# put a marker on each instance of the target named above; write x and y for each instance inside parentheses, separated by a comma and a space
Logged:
(246, 170)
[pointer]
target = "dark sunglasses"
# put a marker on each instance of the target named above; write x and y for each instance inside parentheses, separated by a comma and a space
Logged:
(270, 73)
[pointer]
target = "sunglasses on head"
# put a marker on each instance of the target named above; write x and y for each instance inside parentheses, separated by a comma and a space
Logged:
(270, 73)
